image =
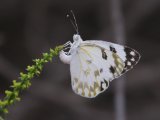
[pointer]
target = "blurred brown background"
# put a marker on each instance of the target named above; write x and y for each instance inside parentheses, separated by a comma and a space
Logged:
(30, 27)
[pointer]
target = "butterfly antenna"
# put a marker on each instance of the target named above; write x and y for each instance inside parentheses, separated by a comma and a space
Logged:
(68, 16)
(75, 21)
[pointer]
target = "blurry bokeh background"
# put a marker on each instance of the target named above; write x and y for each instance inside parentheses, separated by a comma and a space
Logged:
(30, 27)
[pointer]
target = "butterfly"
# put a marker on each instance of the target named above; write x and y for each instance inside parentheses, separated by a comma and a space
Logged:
(94, 64)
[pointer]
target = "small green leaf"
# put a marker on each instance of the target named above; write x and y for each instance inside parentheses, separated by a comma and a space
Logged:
(30, 68)
(16, 84)
(23, 76)
(8, 93)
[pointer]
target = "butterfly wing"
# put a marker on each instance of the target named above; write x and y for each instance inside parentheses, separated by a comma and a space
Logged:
(92, 68)
(129, 56)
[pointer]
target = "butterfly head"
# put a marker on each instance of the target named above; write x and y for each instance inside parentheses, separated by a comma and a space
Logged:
(77, 38)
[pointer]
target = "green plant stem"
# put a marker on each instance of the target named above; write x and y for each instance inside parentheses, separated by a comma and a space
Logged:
(23, 82)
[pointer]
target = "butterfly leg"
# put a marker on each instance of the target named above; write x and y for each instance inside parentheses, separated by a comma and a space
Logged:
(67, 43)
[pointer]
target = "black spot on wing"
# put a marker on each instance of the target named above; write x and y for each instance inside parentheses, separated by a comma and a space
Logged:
(132, 57)
(104, 55)
(112, 69)
(101, 70)
(112, 49)
(104, 84)
(101, 89)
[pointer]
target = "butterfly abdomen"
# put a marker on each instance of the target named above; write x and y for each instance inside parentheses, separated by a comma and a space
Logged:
(64, 58)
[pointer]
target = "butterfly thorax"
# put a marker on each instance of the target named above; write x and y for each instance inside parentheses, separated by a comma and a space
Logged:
(77, 40)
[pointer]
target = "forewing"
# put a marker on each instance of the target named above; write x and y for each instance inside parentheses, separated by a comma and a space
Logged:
(92, 68)
(129, 56)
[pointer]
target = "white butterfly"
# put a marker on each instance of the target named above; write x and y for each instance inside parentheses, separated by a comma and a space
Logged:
(94, 64)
